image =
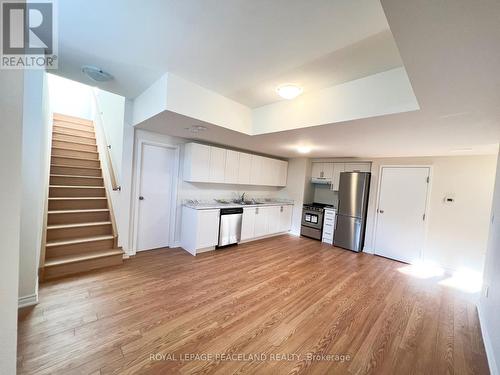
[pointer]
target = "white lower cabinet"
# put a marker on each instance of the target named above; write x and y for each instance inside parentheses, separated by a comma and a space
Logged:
(328, 226)
(264, 221)
(200, 229)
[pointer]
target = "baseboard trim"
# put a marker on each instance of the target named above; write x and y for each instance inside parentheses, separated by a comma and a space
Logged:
(26, 301)
(487, 342)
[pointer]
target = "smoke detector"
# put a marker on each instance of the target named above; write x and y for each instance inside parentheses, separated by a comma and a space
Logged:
(96, 74)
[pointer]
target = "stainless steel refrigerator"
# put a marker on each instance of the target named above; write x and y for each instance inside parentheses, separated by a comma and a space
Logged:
(351, 214)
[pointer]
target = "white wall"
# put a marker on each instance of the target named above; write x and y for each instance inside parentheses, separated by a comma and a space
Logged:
(70, 98)
(111, 108)
(11, 123)
(456, 233)
(489, 305)
(35, 164)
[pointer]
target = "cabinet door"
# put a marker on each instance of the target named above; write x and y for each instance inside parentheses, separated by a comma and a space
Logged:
(266, 171)
(248, 223)
(317, 170)
(261, 221)
(357, 167)
(208, 228)
(337, 169)
(245, 164)
(273, 219)
(217, 164)
(285, 218)
(328, 170)
(196, 162)
(282, 172)
(255, 170)
(231, 173)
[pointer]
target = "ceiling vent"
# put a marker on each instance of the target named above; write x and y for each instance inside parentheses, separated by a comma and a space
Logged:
(96, 74)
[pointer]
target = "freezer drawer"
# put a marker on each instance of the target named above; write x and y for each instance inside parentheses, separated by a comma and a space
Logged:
(348, 233)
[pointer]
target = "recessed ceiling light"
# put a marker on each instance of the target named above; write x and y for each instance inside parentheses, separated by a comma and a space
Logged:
(304, 149)
(289, 91)
(96, 74)
(196, 128)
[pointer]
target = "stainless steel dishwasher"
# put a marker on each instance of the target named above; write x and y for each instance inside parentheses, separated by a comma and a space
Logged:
(230, 226)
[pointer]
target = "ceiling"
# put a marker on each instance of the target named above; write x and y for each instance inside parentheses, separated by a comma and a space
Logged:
(238, 48)
(241, 49)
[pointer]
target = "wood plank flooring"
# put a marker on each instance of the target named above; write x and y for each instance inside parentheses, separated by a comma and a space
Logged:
(283, 305)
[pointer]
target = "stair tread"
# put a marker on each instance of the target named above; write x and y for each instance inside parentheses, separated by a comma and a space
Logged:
(71, 157)
(69, 198)
(78, 211)
(78, 240)
(77, 186)
(66, 259)
(73, 175)
(69, 118)
(72, 149)
(78, 143)
(74, 135)
(77, 225)
(70, 166)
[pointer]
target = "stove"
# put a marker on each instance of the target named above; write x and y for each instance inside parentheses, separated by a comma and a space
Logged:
(312, 220)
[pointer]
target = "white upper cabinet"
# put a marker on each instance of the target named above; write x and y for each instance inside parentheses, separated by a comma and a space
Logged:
(244, 166)
(282, 172)
(218, 165)
(357, 167)
(255, 170)
(337, 169)
(231, 175)
(322, 170)
(196, 162)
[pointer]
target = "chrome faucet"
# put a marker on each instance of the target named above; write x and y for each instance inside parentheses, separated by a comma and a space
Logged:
(243, 197)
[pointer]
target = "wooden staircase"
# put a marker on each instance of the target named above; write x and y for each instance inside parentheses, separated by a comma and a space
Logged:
(80, 233)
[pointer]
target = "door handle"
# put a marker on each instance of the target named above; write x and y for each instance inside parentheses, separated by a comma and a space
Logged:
(380, 211)
(141, 198)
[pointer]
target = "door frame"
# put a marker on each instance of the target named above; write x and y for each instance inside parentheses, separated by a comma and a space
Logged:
(427, 203)
(136, 187)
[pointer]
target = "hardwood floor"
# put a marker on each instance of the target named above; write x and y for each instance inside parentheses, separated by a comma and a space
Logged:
(288, 302)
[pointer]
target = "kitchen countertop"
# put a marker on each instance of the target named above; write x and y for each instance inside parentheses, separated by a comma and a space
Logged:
(216, 205)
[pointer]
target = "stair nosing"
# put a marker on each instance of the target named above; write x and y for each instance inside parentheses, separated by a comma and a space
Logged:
(69, 127)
(78, 143)
(72, 157)
(70, 166)
(83, 198)
(70, 149)
(88, 210)
(73, 175)
(54, 262)
(74, 241)
(76, 187)
(73, 135)
(57, 117)
(77, 225)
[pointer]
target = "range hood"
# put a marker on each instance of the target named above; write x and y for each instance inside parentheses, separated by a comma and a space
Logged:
(321, 181)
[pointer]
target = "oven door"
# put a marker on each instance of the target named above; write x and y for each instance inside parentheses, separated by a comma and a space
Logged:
(312, 219)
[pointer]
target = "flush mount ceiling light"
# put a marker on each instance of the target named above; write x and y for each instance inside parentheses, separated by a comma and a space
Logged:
(96, 74)
(304, 149)
(289, 91)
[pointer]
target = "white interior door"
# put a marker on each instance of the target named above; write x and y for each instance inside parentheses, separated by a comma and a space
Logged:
(155, 195)
(401, 208)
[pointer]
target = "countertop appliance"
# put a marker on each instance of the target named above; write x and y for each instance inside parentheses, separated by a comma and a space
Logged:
(351, 213)
(312, 220)
(230, 226)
